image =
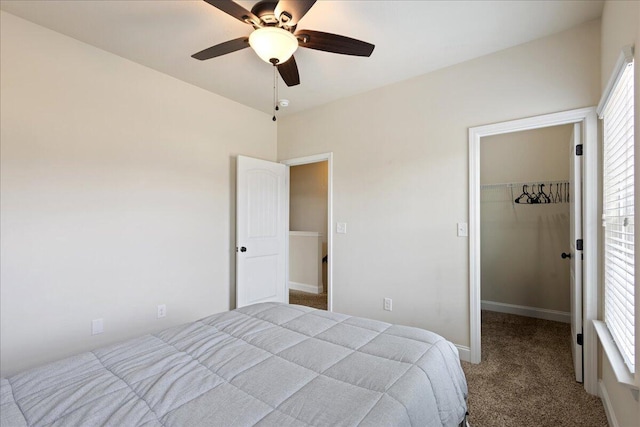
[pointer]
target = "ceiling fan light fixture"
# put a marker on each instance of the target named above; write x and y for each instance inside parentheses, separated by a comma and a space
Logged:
(273, 43)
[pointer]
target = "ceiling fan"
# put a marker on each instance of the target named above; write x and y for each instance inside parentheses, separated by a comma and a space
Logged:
(275, 38)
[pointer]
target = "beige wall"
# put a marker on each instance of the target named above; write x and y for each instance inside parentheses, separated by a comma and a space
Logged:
(117, 195)
(521, 243)
(619, 23)
(533, 155)
(621, 27)
(401, 171)
(305, 261)
(308, 197)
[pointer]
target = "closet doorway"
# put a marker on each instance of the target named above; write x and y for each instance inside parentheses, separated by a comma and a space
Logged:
(310, 239)
(528, 265)
(525, 194)
(586, 121)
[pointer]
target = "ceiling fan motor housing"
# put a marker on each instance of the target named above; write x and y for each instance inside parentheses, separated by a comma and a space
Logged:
(265, 10)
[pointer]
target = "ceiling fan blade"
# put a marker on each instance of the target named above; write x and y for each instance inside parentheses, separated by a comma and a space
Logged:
(234, 9)
(296, 8)
(333, 43)
(222, 48)
(289, 72)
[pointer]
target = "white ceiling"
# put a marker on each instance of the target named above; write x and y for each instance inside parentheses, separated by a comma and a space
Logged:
(411, 38)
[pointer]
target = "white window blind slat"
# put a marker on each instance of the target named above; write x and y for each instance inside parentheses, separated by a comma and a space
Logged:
(618, 165)
(618, 209)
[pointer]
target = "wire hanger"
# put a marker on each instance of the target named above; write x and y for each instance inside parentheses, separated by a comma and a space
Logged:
(542, 196)
(534, 193)
(525, 197)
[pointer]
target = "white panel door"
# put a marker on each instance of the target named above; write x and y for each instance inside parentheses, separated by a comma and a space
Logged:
(575, 220)
(262, 228)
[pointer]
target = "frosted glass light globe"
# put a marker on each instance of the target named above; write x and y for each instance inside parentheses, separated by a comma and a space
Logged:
(273, 43)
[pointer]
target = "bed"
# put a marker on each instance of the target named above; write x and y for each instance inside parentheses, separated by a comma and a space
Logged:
(267, 364)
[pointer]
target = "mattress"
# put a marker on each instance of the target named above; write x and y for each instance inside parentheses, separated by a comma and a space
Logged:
(267, 364)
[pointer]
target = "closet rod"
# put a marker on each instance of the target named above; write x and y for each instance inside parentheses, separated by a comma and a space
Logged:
(535, 192)
(520, 184)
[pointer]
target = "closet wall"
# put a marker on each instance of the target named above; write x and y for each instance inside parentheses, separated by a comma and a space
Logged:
(522, 244)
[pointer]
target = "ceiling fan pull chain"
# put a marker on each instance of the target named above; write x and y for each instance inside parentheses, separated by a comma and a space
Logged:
(275, 91)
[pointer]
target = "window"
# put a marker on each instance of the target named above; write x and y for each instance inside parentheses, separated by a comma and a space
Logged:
(618, 213)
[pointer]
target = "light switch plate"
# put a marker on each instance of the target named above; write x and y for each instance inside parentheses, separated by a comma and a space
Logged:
(463, 229)
(341, 228)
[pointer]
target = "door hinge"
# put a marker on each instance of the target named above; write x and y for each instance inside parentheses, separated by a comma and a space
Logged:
(579, 339)
(579, 150)
(579, 244)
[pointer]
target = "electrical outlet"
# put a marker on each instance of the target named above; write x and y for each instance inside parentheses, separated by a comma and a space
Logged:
(162, 310)
(388, 304)
(97, 326)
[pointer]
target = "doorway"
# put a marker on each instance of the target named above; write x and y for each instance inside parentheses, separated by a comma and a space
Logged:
(586, 118)
(525, 221)
(310, 237)
(528, 209)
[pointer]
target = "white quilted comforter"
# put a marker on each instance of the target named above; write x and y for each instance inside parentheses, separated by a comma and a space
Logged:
(267, 364)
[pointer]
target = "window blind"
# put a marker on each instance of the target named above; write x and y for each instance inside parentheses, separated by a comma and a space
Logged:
(618, 215)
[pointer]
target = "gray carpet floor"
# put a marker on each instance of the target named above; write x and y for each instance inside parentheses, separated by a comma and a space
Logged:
(526, 377)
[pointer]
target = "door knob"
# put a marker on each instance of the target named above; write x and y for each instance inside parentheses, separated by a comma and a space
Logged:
(243, 249)
(565, 255)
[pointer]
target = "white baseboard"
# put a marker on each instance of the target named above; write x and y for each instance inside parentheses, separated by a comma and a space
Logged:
(521, 310)
(304, 287)
(606, 402)
(464, 352)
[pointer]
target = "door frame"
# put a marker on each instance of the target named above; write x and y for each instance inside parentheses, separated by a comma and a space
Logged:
(576, 262)
(588, 119)
(316, 158)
